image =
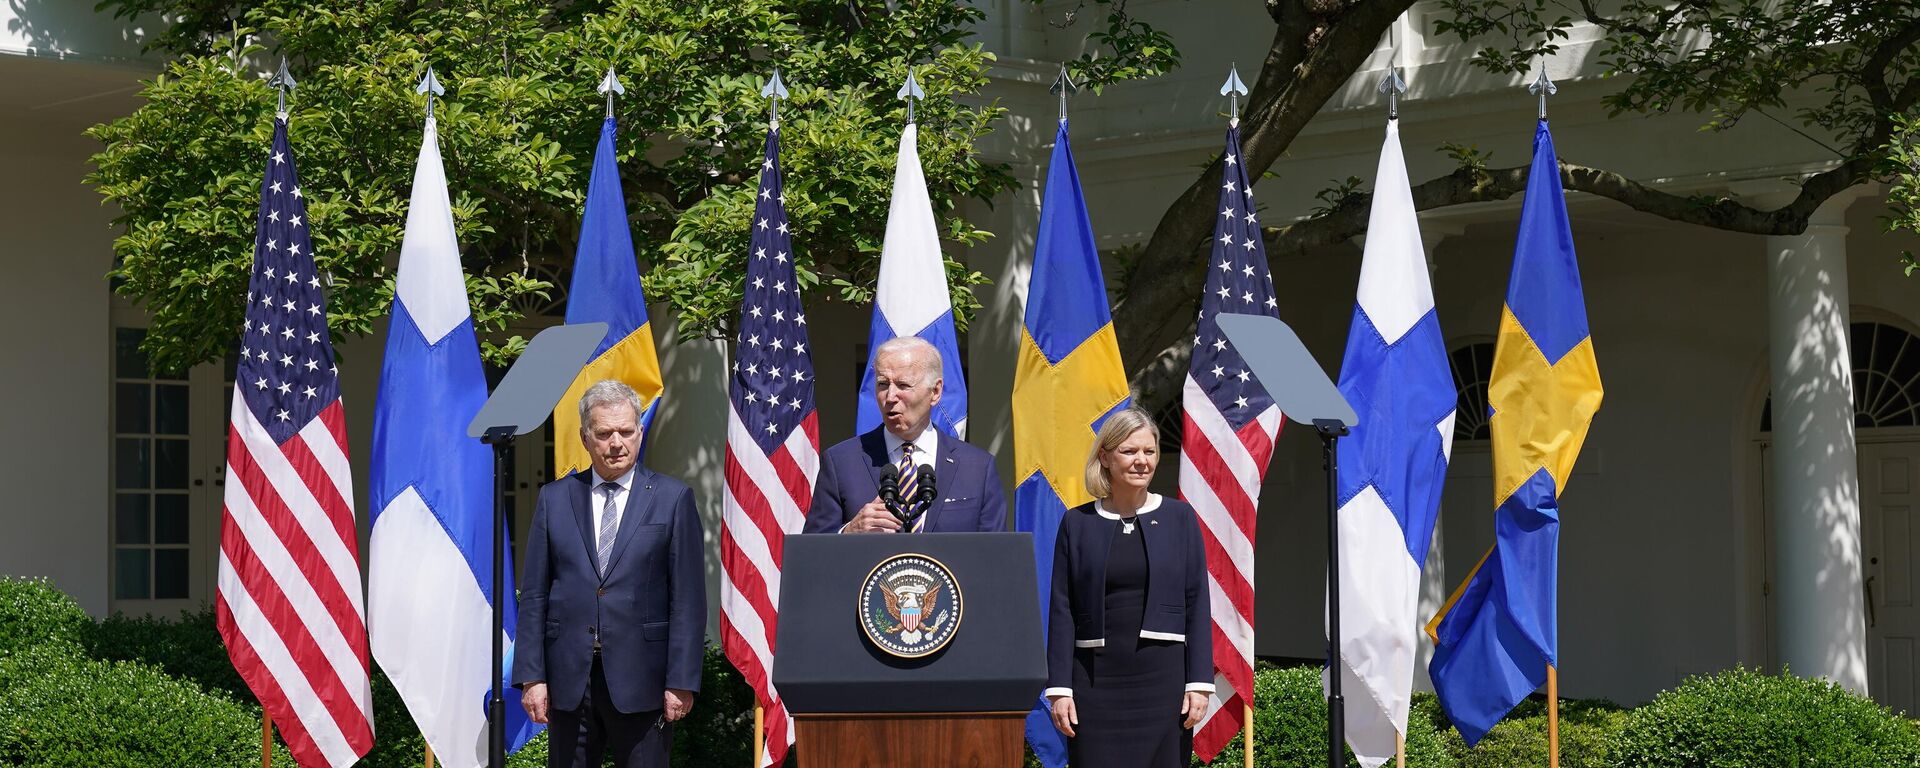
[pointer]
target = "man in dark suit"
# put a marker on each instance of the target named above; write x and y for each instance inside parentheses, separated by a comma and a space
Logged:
(613, 605)
(846, 495)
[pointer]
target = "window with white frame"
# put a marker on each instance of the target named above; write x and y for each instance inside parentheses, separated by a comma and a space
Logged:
(152, 518)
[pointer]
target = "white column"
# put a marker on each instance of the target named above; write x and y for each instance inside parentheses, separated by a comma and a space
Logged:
(1820, 618)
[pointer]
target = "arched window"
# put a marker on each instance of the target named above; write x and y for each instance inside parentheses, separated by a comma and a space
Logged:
(1472, 369)
(1886, 377)
(1172, 421)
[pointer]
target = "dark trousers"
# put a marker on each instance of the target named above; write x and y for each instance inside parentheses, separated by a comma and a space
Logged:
(583, 737)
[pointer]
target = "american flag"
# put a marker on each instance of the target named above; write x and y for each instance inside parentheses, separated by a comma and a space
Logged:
(290, 606)
(773, 450)
(1226, 439)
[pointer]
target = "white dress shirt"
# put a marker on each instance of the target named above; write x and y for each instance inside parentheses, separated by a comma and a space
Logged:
(623, 485)
(926, 447)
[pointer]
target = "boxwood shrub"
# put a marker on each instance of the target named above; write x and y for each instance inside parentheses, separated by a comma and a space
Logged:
(1587, 730)
(1740, 718)
(1290, 726)
(32, 612)
(718, 732)
(187, 647)
(63, 709)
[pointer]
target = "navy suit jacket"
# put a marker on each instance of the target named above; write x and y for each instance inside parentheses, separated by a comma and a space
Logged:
(649, 613)
(1178, 607)
(969, 497)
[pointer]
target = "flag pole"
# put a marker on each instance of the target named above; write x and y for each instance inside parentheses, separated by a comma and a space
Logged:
(773, 92)
(1233, 89)
(910, 90)
(1543, 87)
(429, 751)
(1063, 86)
(1393, 86)
(1246, 733)
(266, 739)
(759, 734)
(1553, 717)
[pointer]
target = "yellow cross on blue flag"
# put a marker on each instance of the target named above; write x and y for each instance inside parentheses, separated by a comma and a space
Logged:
(1498, 634)
(1067, 381)
(606, 288)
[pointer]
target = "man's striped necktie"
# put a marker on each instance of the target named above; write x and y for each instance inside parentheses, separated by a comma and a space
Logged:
(909, 485)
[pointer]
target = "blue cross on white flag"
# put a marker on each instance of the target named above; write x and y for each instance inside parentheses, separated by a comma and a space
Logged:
(1395, 374)
(431, 567)
(911, 298)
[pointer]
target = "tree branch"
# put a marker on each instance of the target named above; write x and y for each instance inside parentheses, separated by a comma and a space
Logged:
(1873, 73)
(1311, 58)
(1159, 379)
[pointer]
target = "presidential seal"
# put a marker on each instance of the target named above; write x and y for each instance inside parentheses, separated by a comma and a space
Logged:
(910, 605)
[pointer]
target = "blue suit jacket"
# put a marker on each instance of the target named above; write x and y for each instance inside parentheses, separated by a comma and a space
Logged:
(649, 613)
(969, 497)
(1178, 607)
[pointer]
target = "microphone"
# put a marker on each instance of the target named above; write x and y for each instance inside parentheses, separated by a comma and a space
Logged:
(890, 490)
(924, 495)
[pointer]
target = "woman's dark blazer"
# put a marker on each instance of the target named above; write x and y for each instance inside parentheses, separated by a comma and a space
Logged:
(1178, 608)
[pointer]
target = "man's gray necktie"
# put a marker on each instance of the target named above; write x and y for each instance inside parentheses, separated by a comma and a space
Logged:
(609, 525)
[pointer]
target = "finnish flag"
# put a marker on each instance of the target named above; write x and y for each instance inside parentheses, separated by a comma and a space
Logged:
(912, 297)
(430, 567)
(1395, 374)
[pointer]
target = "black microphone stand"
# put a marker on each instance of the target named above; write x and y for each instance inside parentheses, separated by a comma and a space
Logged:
(1330, 431)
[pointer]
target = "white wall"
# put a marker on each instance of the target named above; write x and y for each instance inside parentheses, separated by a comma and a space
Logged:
(55, 247)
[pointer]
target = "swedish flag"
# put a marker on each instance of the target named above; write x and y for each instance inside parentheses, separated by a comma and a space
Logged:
(1067, 380)
(1497, 636)
(606, 288)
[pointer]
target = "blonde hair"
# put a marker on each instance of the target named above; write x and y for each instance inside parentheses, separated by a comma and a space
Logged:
(1113, 432)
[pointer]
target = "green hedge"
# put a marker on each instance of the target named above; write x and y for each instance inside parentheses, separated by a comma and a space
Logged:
(1587, 730)
(98, 673)
(1290, 726)
(186, 647)
(63, 709)
(32, 612)
(142, 692)
(1740, 718)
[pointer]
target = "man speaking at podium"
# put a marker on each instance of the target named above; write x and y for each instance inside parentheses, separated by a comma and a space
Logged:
(905, 468)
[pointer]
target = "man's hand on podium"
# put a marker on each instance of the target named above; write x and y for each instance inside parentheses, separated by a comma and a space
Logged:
(872, 518)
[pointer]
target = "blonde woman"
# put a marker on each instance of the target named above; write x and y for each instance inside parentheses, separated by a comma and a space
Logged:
(1129, 632)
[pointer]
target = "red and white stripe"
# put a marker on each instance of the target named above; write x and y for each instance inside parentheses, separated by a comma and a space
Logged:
(290, 603)
(1220, 474)
(767, 497)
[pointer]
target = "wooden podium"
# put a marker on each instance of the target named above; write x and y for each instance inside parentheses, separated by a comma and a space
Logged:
(971, 739)
(855, 705)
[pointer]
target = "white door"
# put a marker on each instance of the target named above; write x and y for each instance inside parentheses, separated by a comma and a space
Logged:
(1887, 502)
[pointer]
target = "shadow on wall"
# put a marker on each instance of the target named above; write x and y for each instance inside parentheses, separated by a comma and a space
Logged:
(62, 28)
(689, 437)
